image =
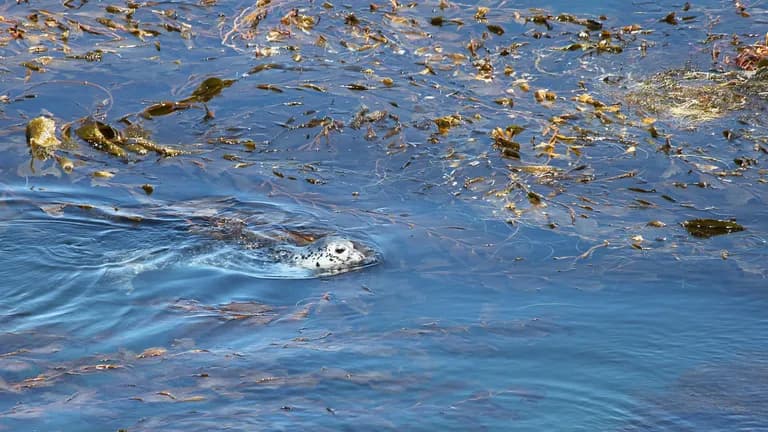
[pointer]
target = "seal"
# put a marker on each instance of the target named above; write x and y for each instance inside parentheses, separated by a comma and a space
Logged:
(260, 240)
(326, 255)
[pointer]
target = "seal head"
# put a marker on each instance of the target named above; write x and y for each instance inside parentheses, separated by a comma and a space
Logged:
(328, 255)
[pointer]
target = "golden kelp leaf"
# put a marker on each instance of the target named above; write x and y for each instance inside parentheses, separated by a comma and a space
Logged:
(265, 66)
(588, 99)
(140, 143)
(505, 101)
(208, 89)
(481, 13)
(118, 10)
(365, 116)
(605, 46)
(89, 56)
(445, 123)
(276, 35)
(302, 22)
(270, 87)
(656, 224)
(106, 22)
(141, 33)
(41, 137)
(574, 47)
(590, 24)
(484, 70)
(193, 399)
(358, 87)
(103, 174)
(705, 228)
(544, 95)
(102, 137)
(95, 132)
(428, 70)
(537, 170)
(503, 140)
(632, 28)
(313, 87)
(66, 163)
(152, 352)
(469, 182)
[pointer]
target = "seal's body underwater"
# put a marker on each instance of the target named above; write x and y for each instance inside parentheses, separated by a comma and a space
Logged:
(320, 253)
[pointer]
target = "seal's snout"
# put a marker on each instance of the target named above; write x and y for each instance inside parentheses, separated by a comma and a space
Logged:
(364, 254)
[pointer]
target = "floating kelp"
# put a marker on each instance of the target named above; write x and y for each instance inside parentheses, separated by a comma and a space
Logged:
(706, 228)
(41, 137)
(110, 140)
(204, 92)
(208, 89)
(688, 95)
(102, 137)
(503, 139)
(754, 56)
(445, 123)
(164, 108)
(412, 63)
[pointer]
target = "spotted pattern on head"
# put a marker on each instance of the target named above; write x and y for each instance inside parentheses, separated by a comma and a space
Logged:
(329, 253)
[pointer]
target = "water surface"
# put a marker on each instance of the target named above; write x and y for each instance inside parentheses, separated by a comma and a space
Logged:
(509, 296)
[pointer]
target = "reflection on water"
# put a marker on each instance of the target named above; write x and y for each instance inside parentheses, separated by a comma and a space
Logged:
(539, 280)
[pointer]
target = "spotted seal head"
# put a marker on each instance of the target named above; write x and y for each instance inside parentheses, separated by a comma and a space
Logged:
(328, 255)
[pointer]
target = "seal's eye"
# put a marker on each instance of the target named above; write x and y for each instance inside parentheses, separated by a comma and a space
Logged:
(339, 250)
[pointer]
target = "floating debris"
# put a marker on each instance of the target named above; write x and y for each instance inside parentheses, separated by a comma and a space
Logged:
(705, 228)
(690, 96)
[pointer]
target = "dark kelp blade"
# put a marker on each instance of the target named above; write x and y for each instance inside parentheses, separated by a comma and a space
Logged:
(706, 228)
(208, 89)
(164, 108)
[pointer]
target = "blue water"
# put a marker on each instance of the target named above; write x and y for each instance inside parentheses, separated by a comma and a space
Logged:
(476, 318)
